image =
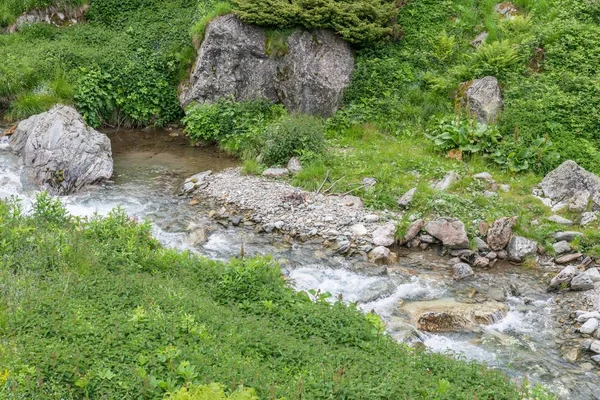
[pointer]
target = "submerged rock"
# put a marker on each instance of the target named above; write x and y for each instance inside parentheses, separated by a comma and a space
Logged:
(194, 182)
(462, 270)
(308, 74)
(484, 99)
(382, 255)
(448, 315)
(61, 153)
(563, 278)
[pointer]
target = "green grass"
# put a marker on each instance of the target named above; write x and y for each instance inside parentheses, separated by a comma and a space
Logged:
(97, 309)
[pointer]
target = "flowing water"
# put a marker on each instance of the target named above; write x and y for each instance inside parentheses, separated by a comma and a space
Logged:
(149, 170)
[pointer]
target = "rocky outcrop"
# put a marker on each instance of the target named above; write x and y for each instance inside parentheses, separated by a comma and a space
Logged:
(448, 315)
(61, 153)
(451, 232)
(571, 184)
(484, 99)
(308, 74)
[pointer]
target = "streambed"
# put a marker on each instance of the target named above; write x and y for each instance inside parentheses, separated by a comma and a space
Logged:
(150, 167)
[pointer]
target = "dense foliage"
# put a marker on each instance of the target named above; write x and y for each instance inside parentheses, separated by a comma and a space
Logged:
(357, 21)
(122, 68)
(97, 309)
(294, 136)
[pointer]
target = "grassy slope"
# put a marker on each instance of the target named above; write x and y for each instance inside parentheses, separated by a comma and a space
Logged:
(99, 310)
(400, 89)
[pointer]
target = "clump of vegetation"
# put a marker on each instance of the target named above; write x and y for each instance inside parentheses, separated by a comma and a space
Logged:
(10, 10)
(294, 136)
(357, 21)
(238, 127)
(98, 309)
(213, 391)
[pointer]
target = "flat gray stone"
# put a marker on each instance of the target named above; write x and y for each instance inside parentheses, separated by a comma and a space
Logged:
(561, 247)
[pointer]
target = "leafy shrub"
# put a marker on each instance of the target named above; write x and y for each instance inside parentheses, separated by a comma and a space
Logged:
(495, 58)
(357, 21)
(238, 127)
(296, 135)
(468, 136)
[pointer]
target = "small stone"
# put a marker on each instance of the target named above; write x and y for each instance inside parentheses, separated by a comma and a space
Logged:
(593, 274)
(462, 271)
(520, 247)
(588, 217)
(276, 172)
(595, 347)
(382, 255)
(413, 230)
(481, 262)
(502, 255)
(588, 315)
(568, 236)
(453, 261)
(481, 244)
(385, 235)
(596, 359)
(504, 188)
(561, 205)
(506, 9)
(560, 220)
(359, 230)
(492, 255)
(561, 247)
(582, 282)
(406, 198)
(371, 218)
(194, 202)
(294, 165)
(235, 221)
(489, 194)
(486, 176)
(369, 182)
(567, 258)
(449, 179)
(427, 239)
(479, 39)
(483, 228)
(589, 327)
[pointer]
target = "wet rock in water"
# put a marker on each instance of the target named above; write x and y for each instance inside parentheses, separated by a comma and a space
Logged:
(451, 232)
(480, 39)
(563, 278)
(561, 247)
(520, 247)
(449, 179)
(385, 235)
(568, 236)
(294, 165)
(596, 359)
(496, 294)
(595, 347)
(498, 235)
(582, 282)
(382, 255)
(568, 181)
(275, 172)
(194, 182)
(377, 290)
(567, 258)
(413, 230)
(589, 327)
(587, 315)
(557, 219)
(462, 271)
(61, 153)
(484, 99)
(308, 77)
(406, 198)
(448, 315)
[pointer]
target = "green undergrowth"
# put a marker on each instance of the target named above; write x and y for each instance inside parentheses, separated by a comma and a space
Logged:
(123, 67)
(98, 309)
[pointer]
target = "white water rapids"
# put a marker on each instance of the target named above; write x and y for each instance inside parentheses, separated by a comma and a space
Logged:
(522, 343)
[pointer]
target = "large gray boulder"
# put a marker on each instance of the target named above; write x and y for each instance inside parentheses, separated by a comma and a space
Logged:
(308, 75)
(484, 99)
(60, 152)
(520, 247)
(569, 182)
(451, 232)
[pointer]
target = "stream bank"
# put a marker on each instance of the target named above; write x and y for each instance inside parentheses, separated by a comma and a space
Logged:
(528, 342)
